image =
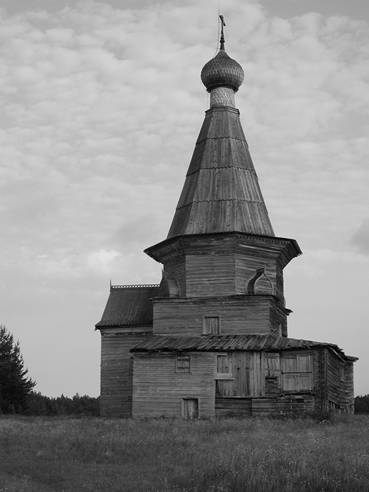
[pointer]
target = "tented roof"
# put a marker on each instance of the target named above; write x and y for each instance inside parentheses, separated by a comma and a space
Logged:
(221, 192)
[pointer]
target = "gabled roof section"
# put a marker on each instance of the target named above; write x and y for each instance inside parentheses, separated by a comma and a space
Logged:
(211, 343)
(221, 192)
(129, 305)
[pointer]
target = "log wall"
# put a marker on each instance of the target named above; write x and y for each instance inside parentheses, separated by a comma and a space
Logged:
(159, 390)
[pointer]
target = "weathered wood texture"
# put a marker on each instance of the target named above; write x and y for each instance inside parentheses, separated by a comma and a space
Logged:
(268, 384)
(245, 268)
(115, 375)
(158, 390)
(239, 315)
(223, 265)
(210, 275)
(242, 384)
(340, 391)
(267, 374)
(129, 305)
(232, 407)
(221, 192)
(284, 405)
(175, 269)
(294, 383)
(225, 243)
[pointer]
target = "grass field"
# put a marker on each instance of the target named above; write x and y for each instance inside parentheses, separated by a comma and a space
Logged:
(90, 454)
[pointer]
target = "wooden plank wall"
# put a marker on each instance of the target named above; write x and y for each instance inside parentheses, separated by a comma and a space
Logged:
(242, 316)
(279, 281)
(255, 385)
(210, 275)
(278, 320)
(232, 407)
(319, 378)
(284, 405)
(115, 375)
(175, 269)
(158, 390)
(246, 266)
(247, 376)
(340, 391)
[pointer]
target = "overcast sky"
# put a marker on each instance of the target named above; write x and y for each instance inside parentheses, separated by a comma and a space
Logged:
(101, 104)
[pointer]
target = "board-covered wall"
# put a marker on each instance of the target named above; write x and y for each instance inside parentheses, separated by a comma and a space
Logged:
(239, 315)
(115, 374)
(340, 387)
(162, 383)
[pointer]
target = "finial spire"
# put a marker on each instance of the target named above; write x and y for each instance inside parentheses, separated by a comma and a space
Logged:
(222, 23)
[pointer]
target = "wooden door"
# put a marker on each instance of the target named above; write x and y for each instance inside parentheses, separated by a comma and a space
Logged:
(190, 408)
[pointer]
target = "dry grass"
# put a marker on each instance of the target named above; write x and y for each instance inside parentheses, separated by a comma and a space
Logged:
(54, 454)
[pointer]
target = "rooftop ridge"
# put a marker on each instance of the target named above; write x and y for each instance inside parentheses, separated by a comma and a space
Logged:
(132, 286)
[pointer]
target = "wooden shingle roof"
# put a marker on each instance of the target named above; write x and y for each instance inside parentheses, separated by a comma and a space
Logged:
(221, 192)
(224, 343)
(129, 305)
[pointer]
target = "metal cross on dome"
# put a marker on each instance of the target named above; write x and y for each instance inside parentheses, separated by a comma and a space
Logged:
(222, 23)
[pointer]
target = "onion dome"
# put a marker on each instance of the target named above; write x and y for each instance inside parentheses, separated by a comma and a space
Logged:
(222, 71)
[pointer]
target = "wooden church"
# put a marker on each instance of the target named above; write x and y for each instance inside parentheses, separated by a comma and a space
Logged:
(211, 339)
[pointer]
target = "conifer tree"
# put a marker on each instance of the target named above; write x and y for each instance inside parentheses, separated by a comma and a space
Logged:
(15, 385)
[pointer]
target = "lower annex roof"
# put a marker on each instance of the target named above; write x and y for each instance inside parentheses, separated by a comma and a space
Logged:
(129, 305)
(212, 343)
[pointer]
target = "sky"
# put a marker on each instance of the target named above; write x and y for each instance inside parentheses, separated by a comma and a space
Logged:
(101, 104)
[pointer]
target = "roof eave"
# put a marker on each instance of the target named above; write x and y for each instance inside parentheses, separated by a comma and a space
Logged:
(291, 250)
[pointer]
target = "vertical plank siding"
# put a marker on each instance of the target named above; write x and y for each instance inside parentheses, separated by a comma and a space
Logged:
(256, 386)
(115, 375)
(158, 390)
(340, 384)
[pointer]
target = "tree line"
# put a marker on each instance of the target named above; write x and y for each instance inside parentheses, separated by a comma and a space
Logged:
(17, 393)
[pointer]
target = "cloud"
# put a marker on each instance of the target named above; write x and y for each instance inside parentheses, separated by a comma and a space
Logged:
(101, 108)
(361, 238)
(102, 260)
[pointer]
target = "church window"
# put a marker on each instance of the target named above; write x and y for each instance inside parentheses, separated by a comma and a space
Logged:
(183, 363)
(211, 325)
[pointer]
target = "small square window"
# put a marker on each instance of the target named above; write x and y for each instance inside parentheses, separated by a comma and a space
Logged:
(183, 363)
